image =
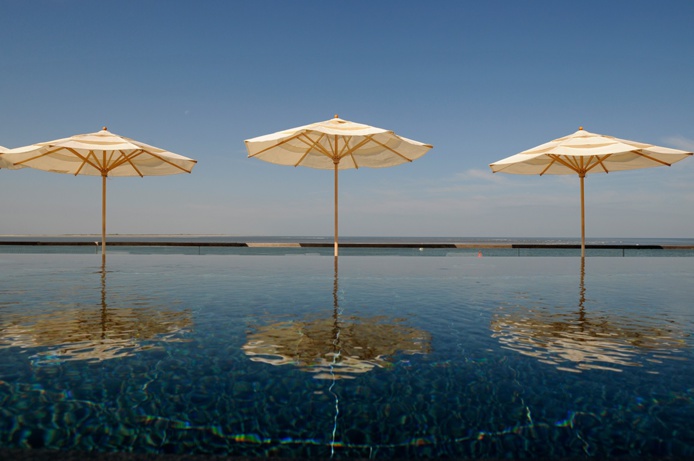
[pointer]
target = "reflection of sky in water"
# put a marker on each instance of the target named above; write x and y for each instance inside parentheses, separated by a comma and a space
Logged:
(497, 336)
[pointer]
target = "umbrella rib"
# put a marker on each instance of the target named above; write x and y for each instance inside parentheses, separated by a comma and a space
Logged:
(109, 162)
(124, 158)
(390, 149)
(22, 162)
(284, 141)
(165, 160)
(351, 150)
(565, 162)
(354, 160)
(366, 140)
(653, 159)
(312, 144)
(548, 166)
(578, 164)
(50, 152)
(85, 160)
(301, 137)
(599, 161)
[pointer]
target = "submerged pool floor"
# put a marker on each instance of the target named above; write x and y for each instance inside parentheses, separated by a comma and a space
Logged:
(381, 357)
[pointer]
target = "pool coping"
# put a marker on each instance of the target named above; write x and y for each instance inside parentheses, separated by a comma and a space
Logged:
(350, 245)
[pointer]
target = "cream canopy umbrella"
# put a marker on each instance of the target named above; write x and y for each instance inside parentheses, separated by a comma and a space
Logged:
(336, 144)
(582, 153)
(100, 154)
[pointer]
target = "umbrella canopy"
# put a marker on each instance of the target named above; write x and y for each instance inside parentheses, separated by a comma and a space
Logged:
(582, 153)
(100, 154)
(336, 144)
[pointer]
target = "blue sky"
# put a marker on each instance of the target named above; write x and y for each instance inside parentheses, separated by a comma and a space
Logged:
(479, 80)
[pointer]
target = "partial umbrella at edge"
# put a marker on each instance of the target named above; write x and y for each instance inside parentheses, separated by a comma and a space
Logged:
(4, 163)
(336, 144)
(582, 153)
(100, 154)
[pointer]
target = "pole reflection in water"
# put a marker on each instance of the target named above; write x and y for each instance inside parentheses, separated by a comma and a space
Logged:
(93, 331)
(336, 347)
(576, 340)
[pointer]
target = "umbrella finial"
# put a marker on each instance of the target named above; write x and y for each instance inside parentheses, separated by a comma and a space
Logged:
(336, 116)
(580, 128)
(103, 128)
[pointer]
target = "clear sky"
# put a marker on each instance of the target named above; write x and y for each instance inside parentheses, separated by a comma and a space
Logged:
(480, 80)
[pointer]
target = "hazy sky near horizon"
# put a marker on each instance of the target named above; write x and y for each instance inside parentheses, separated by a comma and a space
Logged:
(479, 80)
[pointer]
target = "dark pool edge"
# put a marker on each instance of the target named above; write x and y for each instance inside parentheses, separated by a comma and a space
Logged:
(562, 246)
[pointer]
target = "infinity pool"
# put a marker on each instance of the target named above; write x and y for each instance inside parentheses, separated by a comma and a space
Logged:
(381, 357)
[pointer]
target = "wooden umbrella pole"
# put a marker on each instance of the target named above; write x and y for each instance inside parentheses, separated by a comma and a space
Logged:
(583, 218)
(336, 245)
(103, 216)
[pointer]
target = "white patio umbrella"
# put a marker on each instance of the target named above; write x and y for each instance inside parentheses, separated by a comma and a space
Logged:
(582, 153)
(100, 154)
(336, 144)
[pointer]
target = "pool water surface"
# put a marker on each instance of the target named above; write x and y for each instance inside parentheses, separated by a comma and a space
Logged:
(381, 357)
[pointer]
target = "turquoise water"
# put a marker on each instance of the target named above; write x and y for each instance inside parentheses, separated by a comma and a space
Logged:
(387, 356)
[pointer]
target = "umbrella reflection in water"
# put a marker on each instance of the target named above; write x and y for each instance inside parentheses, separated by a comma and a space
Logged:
(335, 347)
(577, 340)
(81, 332)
